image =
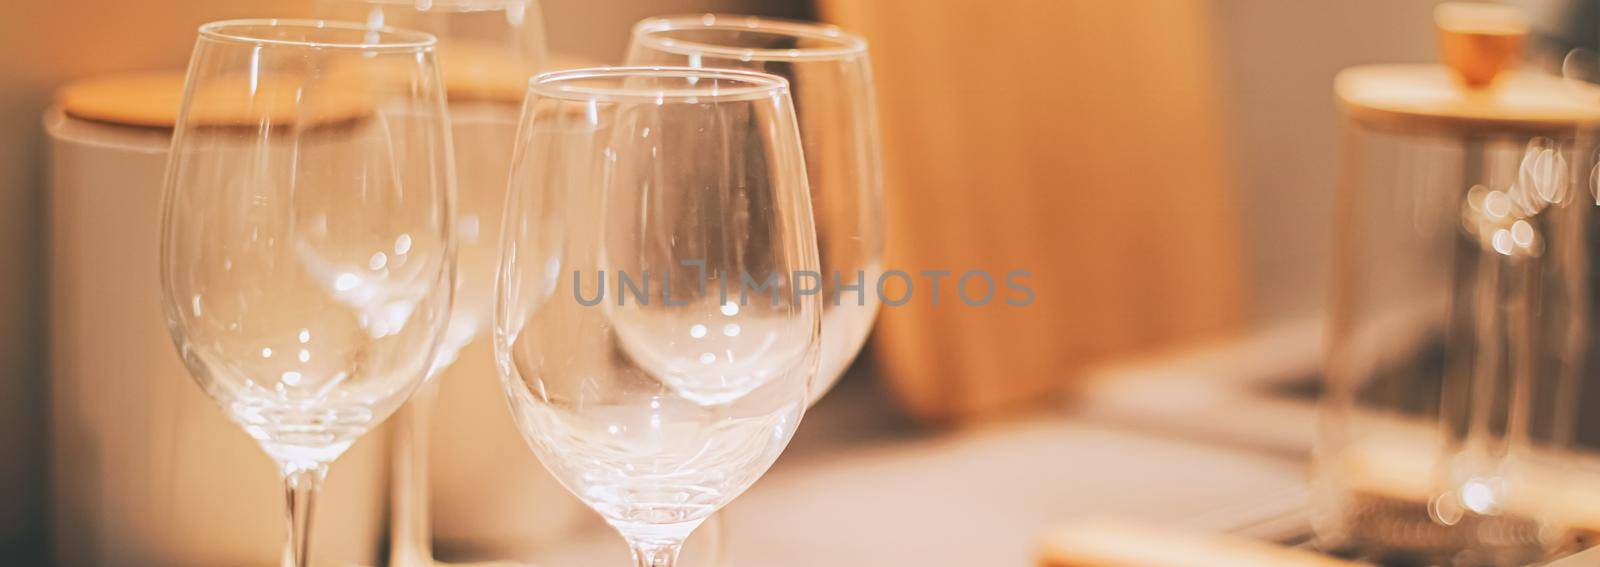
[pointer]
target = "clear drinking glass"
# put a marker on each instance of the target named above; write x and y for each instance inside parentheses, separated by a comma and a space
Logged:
(487, 51)
(307, 245)
(660, 307)
(831, 79)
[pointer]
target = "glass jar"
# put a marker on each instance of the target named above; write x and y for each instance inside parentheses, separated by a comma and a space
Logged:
(1463, 317)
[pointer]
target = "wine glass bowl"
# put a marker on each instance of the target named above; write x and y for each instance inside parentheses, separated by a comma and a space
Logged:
(307, 245)
(646, 373)
(830, 77)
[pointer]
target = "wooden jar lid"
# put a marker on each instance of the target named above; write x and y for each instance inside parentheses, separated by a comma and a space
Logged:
(1476, 91)
(474, 72)
(152, 100)
(146, 99)
(1426, 98)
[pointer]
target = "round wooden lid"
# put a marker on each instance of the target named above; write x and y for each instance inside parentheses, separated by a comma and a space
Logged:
(483, 72)
(152, 99)
(1426, 98)
(148, 99)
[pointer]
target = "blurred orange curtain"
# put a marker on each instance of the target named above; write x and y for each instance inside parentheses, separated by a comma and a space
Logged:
(1080, 140)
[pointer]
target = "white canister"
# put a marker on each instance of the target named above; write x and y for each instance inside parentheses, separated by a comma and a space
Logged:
(145, 468)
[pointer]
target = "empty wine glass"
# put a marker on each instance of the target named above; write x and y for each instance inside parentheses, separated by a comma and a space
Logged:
(307, 247)
(487, 51)
(659, 297)
(831, 79)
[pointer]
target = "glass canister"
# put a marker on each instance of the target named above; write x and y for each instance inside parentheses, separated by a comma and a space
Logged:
(1463, 324)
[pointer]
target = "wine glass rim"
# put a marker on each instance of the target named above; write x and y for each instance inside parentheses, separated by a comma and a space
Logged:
(385, 38)
(841, 44)
(755, 85)
(447, 5)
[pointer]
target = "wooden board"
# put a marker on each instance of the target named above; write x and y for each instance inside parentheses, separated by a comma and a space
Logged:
(1094, 544)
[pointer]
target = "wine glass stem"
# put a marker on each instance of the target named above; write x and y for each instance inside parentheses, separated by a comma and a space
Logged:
(656, 555)
(656, 545)
(410, 531)
(715, 531)
(301, 484)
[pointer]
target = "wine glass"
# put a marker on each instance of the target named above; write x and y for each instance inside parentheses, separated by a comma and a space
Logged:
(659, 310)
(307, 246)
(831, 79)
(487, 51)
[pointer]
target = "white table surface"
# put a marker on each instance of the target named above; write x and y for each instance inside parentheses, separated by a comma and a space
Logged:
(977, 497)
